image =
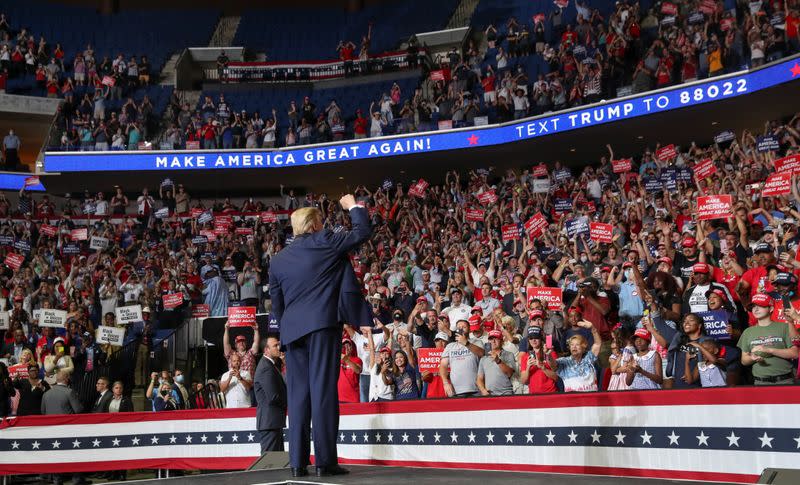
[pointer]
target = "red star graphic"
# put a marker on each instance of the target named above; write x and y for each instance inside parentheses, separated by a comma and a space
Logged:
(473, 140)
(795, 70)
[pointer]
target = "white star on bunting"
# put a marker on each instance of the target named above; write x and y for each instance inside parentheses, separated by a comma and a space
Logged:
(114, 442)
(766, 440)
(341, 437)
(550, 436)
(76, 444)
(15, 445)
(135, 440)
(471, 437)
(702, 439)
(96, 443)
(798, 441)
(378, 437)
(204, 438)
(490, 437)
(353, 437)
(405, 438)
(596, 437)
(733, 440)
(188, 438)
(646, 438)
(620, 437)
(219, 438)
(366, 437)
(529, 437)
(573, 438)
(173, 439)
(436, 437)
(389, 437)
(56, 444)
(509, 437)
(250, 436)
(154, 440)
(421, 437)
(35, 445)
(235, 438)
(673, 438)
(454, 438)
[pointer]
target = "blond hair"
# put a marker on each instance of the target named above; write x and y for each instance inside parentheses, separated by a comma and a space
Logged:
(304, 220)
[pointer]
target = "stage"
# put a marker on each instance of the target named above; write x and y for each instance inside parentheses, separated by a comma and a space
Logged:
(386, 475)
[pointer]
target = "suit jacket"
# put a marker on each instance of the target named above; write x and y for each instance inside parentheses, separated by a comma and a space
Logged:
(270, 392)
(61, 399)
(312, 277)
(101, 404)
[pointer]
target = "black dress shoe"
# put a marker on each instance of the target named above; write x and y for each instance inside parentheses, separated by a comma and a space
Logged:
(327, 471)
(299, 472)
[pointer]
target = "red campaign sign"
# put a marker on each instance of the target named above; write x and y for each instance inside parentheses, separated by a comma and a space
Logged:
(788, 164)
(601, 232)
(195, 212)
(777, 184)
(708, 6)
(428, 359)
(268, 217)
(223, 220)
(669, 8)
(540, 170)
(418, 189)
(79, 234)
(14, 261)
(666, 153)
(19, 370)
(241, 316)
(510, 232)
(31, 181)
(220, 230)
(590, 206)
(622, 166)
(488, 197)
(539, 17)
(173, 300)
(201, 310)
(553, 297)
(244, 231)
(475, 215)
(704, 169)
(714, 207)
(210, 235)
(49, 230)
(726, 24)
(437, 75)
(561, 3)
(536, 225)
(109, 81)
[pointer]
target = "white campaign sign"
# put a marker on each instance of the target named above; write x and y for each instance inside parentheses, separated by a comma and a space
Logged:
(4, 320)
(110, 335)
(541, 186)
(128, 314)
(52, 318)
(98, 243)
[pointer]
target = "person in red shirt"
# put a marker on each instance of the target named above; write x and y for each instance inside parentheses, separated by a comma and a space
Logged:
(435, 388)
(360, 125)
(792, 27)
(595, 307)
(534, 365)
(755, 279)
(349, 373)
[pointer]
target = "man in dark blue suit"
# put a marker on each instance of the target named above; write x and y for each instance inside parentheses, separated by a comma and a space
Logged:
(270, 391)
(314, 290)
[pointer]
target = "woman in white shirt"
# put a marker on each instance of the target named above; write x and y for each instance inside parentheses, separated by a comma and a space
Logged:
(381, 383)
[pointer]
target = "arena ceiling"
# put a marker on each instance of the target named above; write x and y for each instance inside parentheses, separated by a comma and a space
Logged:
(574, 148)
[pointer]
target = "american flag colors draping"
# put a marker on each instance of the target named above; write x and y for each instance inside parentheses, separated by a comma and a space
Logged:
(713, 434)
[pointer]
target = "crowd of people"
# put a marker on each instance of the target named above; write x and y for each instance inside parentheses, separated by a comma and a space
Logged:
(524, 68)
(672, 301)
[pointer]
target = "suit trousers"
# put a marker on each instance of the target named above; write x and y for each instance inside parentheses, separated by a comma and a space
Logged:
(312, 375)
(270, 439)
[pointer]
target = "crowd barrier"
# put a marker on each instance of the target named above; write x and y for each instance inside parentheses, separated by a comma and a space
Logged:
(728, 434)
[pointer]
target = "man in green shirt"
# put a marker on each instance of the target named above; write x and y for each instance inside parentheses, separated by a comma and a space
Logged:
(768, 346)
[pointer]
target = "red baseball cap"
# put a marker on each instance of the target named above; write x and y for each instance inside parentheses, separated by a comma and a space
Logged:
(719, 293)
(421, 299)
(240, 337)
(488, 324)
(689, 242)
(665, 259)
(477, 308)
(762, 300)
(605, 269)
(474, 322)
(642, 333)
(386, 350)
(575, 310)
(700, 268)
(536, 314)
(495, 334)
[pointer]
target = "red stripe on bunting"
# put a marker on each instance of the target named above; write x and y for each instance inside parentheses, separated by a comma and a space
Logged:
(710, 396)
(572, 470)
(164, 463)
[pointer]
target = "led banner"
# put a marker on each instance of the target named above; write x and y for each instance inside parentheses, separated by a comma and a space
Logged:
(650, 103)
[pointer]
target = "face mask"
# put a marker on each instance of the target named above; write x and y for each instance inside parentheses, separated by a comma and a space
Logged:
(179, 379)
(160, 381)
(584, 259)
(628, 274)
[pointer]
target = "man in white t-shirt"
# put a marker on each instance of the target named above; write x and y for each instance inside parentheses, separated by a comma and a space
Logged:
(458, 310)
(236, 384)
(458, 366)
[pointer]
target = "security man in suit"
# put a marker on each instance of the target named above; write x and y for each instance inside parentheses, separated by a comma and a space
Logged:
(105, 396)
(312, 290)
(270, 391)
(61, 399)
